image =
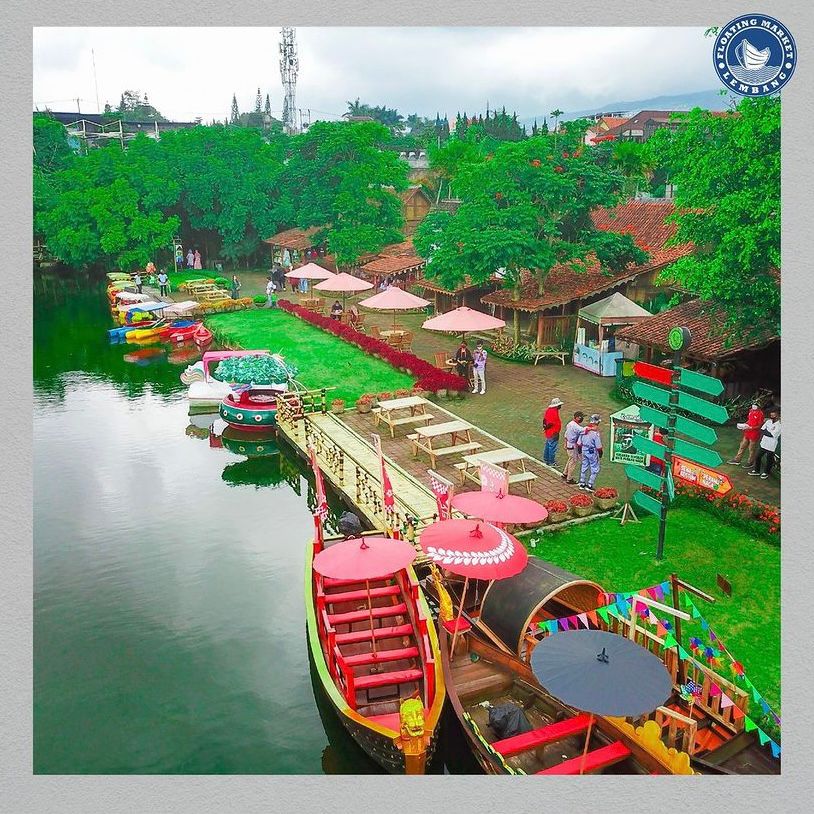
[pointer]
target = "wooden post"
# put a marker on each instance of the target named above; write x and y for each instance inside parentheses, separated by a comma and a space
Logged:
(587, 742)
(458, 621)
(674, 595)
(539, 329)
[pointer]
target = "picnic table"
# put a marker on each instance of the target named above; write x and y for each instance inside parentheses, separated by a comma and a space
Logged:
(470, 468)
(424, 438)
(416, 406)
(392, 333)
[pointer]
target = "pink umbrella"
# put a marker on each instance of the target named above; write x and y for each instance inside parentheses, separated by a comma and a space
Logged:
(462, 321)
(364, 558)
(500, 508)
(473, 549)
(310, 271)
(394, 299)
(343, 284)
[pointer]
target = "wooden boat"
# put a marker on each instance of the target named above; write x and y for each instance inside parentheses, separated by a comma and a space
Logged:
(712, 737)
(205, 391)
(481, 675)
(393, 714)
(253, 410)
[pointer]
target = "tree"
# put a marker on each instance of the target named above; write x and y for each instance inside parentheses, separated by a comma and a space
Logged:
(337, 177)
(52, 153)
(258, 102)
(267, 109)
(525, 207)
(235, 115)
(133, 107)
(726, 169)
(634, 161)
(555, 114)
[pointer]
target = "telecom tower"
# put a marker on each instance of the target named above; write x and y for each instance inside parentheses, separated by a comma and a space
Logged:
(289, 66)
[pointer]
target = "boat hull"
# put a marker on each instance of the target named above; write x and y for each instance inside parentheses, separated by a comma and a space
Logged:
(248, 416)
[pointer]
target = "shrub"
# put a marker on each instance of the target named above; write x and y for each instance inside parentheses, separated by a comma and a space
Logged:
(258, 300)
(366, 398)
(606, 493)
(222, 281)
(384, 396)
(581, 501)
(557, 506)
(402, 393)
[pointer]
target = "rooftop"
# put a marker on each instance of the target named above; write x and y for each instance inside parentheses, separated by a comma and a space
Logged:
(294, 239)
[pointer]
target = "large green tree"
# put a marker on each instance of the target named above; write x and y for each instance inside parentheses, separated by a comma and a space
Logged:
(726, 169)
(52, 153)
(338, 177)
(525, 206)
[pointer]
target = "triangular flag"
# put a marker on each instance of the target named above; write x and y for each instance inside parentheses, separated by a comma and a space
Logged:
(552, 626)
(660, 629)
(737, 667)
(704, 624)
(622, 608)
(572, 621)
(762, 737)
(669, 641)
(696, 614)
(668, 625)
(714, 690)
(583, 618)
(682, 653)
(737, 712)
(603, 614)
(653, 593)
(756, 696)
(775, 750)
(748, 724)
(665, 587)
(563, 623)
(726, 701)
(712, 636)
(720, 645)
(686, 601)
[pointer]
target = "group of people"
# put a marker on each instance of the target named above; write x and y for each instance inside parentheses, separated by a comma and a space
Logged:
(761, 435)
(464, 358)
(583, 445)
(193, 260)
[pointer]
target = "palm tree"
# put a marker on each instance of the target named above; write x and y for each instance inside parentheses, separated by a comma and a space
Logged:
(356, 109)
(555, 114)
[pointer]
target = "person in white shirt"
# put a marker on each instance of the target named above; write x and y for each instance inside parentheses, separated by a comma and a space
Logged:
(479, 367)
(270, 289)
(769, 436)
(573, 430)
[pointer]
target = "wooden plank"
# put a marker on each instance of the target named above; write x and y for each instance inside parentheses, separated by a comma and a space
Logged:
(401, 404)
(496, 456)
(443, 429)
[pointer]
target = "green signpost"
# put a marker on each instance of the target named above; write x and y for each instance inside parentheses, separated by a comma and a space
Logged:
(673, 396)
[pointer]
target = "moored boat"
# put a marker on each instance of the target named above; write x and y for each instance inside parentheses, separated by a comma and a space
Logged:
(205, 391)
(253, 409)
(376, 654)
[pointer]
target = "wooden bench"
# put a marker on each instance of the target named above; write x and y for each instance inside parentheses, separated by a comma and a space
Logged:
(442, 451)
(508, 747)
(555, 354)
(514, 477)
(595, 760)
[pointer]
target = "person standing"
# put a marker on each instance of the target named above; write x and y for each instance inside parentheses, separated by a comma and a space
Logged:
(462, 359)
(573, 431)
(197, 264)
(751, 435)
(294, 284)
(271, 288)
(235, 286)
(163, 283)
(303, 285)
(590, 447)
(137, 281)
(770, 435)
(656, 465)
(479, 367)
(552, 424)
(190, 258)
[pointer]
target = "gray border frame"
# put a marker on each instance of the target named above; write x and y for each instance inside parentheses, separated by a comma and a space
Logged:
(20, 791)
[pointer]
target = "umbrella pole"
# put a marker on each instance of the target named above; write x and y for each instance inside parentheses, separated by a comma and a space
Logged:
(587, 741)
(458, 620)
(370, 613)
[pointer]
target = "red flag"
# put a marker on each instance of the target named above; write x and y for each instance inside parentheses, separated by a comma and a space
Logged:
(387, 487)
(442, 489)
(493, 479)
(321, 509)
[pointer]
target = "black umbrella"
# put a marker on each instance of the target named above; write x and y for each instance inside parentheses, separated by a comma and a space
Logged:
(601, 673)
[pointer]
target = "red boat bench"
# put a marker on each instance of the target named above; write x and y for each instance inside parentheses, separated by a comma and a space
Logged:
(359, 616)
(595, 760)
(387, 679)
(357, 636)
(362, 595)
(542, 736)
(363, 659)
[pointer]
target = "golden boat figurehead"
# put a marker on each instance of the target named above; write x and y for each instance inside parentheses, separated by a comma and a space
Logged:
(413, 740)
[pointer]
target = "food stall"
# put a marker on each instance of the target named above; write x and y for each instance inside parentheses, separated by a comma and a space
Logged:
(625, 424)
(595, 346)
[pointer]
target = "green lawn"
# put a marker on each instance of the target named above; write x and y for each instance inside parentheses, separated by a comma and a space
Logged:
(621, 558)
(323, 360)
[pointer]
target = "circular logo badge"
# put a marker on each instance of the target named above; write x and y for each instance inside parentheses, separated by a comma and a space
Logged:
(754, 55)
(678, 338)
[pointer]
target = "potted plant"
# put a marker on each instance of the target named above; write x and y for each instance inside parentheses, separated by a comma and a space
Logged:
(402, 393)
(384, 396)
(581, 505)
(338, 406)
(364, 403)
(557, 510)
(606, 497)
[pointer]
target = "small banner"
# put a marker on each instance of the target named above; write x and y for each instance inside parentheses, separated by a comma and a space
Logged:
(321, 510)
(442, 489)
(387, 489)
(493, 479)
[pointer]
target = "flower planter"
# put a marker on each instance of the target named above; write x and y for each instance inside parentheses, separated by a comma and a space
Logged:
(557, 517)
(338, 407)
(582, 511)
(364, 408)
(440, 393)
(605, 503)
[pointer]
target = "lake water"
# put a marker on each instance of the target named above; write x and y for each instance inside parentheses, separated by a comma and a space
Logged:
(169, 628)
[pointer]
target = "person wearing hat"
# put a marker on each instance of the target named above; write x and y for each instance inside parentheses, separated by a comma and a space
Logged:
(552, 424)
(573, 430)
(769, 436)
(479, 367)
(751, 435)
(590, 447)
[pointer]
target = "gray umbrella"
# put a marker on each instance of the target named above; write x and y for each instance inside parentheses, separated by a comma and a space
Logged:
(601, 673)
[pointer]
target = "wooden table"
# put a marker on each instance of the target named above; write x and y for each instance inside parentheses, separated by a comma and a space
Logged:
(391, 333)
(470, 468)
(415, 404)
(424, 437)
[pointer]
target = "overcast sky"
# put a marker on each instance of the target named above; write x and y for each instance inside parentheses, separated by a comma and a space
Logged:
(190, 72)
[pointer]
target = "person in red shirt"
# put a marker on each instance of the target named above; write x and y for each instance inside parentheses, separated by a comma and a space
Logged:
(751, 435)
(552, 424)
(657, 464)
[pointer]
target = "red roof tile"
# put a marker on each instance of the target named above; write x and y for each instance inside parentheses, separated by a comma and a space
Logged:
(392, 265)
(704, 320)
(294, 239)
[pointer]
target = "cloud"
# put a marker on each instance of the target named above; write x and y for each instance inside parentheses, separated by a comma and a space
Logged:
(190, 72)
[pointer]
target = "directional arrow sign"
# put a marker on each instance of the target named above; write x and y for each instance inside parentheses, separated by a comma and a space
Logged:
(714, 412)
(689, 472)
(698, 381)
(647, 392)
(701, 455)
(649, 447)
(649, 504)
(643, 476)
(686, 426)
(653, 373)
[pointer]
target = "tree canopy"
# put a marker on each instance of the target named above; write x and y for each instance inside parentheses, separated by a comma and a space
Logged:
(726, 169)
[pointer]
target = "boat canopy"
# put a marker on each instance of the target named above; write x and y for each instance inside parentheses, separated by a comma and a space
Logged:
(145, 306)
(180, 307)
(510, 605)
(214, 356)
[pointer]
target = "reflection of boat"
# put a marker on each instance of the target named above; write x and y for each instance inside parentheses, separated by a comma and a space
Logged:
(248, 444)
(183, 355)
(271, 470)
(144, 356)
(750, 57)
(391, 710)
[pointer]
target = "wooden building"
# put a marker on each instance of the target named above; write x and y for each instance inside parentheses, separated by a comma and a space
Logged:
(550, 318)
(744, 363)
(300, 247)
(416, 206)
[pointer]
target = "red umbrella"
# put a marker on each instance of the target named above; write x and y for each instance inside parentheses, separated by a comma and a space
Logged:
(394, 299)
(463, 320)
(500, 508)
(364, 558)
(474, 549)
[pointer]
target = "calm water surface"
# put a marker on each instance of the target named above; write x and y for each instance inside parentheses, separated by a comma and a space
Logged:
(169, 631)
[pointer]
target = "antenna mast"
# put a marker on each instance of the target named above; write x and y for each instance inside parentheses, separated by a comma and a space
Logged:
(289, 67)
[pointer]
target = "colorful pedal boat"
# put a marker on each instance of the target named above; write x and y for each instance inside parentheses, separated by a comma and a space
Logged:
(253, 410)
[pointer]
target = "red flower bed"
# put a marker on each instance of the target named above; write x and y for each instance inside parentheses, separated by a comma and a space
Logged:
(428, 376)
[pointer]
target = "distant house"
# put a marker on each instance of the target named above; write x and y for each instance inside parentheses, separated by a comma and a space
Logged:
(95, 128)
(641, 126)
(416, 206)
(601, 127)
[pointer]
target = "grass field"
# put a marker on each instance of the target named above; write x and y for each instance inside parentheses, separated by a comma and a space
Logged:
(698, 547)
(323, 360)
